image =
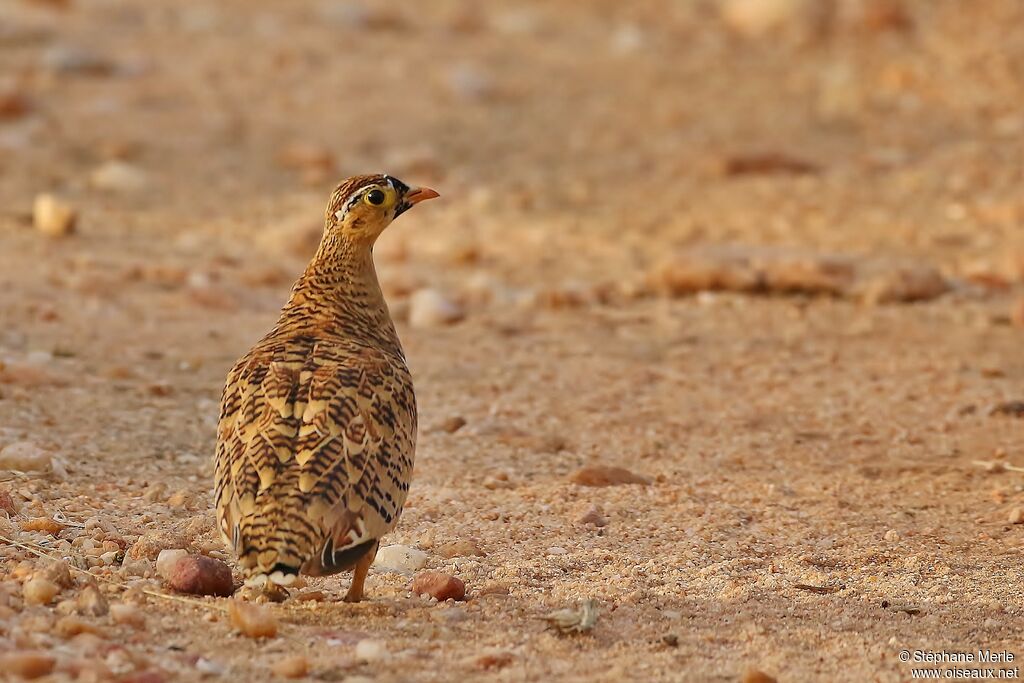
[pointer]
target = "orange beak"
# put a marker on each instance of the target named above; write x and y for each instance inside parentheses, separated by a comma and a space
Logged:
(420, 194)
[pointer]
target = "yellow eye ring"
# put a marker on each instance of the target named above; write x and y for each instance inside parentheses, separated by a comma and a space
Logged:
(375, 197)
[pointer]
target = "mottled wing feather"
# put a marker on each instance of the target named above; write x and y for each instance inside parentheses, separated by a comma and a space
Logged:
(313, 453)
(361, 470)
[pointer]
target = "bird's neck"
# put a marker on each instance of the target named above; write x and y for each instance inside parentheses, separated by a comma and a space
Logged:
(339, 295)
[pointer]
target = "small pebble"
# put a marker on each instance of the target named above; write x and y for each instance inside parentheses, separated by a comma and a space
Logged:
(118, 176)
(127, 615)
(65, 607)
(13, 104)
(91, 602)
(603, 475)
(755, 18)
(462, 548)
(902, 283)
(179, 498)
(756, 676)
(150, 544)
(431, 308)
(7, 503)
(310, 596)
(494, 659)
(439, 586)
(154, 492)
(369, 650)
(39, 591)
(892, 535)
(452, 424)
(58, 572)
(1016, 516)
(210, 667)
(44, 524)
(401, 558)
(52, 216)
(166, 561)
(25, 456)
(71, 626)
(1013, 408)
(201, 575)
(295, 666)
(594, 517)
(27, 665)
(252, 620)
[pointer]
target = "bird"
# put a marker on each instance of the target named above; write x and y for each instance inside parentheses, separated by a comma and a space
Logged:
(317, 430)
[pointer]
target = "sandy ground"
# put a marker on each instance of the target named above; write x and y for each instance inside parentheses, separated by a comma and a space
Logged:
(827, 473)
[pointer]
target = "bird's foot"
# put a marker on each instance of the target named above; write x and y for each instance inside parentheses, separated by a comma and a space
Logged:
(275, 593)
(269, 592)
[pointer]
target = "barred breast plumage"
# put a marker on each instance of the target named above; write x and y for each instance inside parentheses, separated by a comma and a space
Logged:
(317, 430)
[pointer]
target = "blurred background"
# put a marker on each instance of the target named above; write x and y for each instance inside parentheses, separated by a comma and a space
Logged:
(574, 142)
(815, 475)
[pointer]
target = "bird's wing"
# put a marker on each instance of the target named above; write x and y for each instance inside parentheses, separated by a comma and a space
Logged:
(314, 456)
(355, 447)
(255, 435)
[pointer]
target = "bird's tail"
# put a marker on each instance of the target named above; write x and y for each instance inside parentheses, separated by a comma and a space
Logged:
(272, 544)
(275, 539)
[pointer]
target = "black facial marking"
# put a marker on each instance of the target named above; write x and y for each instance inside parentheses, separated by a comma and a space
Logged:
(401, 187)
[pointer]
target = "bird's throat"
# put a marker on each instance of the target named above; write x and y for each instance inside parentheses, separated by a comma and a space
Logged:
(339, 294)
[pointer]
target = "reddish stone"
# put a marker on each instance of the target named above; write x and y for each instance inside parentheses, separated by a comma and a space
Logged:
(201, 575)
(439, 585)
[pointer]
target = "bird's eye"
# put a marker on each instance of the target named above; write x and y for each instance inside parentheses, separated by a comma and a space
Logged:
(375, 197)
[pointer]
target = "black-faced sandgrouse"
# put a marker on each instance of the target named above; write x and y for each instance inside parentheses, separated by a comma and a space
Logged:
(317, 427)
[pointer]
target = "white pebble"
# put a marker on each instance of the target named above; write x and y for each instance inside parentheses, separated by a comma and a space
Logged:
(166, 561)
(431, 308)
(401, 558)
(371, 650)
(25, 456)
(210, 667)
(118, 176)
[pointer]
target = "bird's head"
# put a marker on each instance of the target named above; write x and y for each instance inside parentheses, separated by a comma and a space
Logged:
(362, 206)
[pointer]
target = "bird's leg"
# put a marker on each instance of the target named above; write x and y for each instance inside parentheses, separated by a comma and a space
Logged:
(362, 568)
